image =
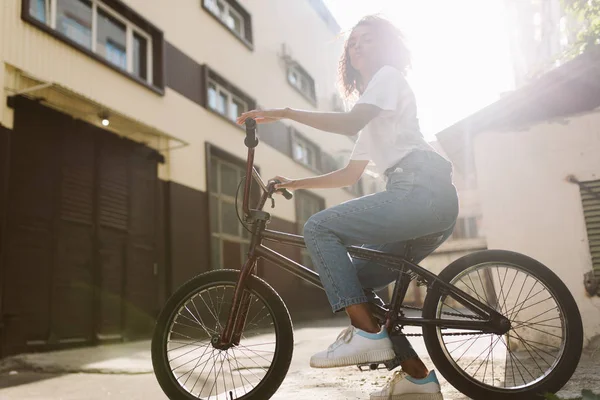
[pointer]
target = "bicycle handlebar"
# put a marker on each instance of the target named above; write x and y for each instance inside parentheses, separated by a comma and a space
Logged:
(251, 141)
(286, 193)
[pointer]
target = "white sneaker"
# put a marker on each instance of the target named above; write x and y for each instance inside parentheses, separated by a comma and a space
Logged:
(403, 387)
(353, 347)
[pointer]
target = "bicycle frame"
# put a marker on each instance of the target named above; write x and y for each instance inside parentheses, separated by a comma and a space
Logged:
(490, 320)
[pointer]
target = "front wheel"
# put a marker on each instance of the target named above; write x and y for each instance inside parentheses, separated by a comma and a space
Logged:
(188, 366)
(540, 352)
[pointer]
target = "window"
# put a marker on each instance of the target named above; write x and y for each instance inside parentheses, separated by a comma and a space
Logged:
(74, 20)
(302, 82)
(97, 27)
(229, 239)
(233, 16)
(467, 228)
(307, 204)
(39, 10)
(224, 102)
(225, 99)
(304, 151)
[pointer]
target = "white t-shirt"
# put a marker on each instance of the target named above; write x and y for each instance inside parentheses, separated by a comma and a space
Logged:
(395, 132)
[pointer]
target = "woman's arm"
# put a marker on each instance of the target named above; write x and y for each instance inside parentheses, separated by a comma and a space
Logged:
(344, 123)
(346, 176)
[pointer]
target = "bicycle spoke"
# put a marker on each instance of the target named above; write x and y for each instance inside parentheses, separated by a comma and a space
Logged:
(513, 363)
(544, 332)
(534, 348)
(537, 316)
(479, 355)
(243, 367)
(192, 370)
(231, 374)
(465, 352)
(457, 341)
(484, 291)
(200, 374)
(186, 363)
(184, 345)
(501, 286)
(519, 295)
(179, 356)
(252, 351)
(201, 323)
(476, 293)
(531, 355)
(544, 320)
(509, 289)
(491, 347)
(248, 368)
(528, 304)
(528, 297)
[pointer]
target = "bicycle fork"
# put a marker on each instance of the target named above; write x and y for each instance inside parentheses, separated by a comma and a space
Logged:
(240, 305)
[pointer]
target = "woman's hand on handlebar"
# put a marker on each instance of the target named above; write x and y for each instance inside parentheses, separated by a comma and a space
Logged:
(284, 183)
(263, 116)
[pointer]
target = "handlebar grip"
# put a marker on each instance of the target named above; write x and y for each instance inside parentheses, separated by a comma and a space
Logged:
(287, 194)
(251, 140)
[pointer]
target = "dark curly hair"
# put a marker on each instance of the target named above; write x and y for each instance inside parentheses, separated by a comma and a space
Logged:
(397, 53)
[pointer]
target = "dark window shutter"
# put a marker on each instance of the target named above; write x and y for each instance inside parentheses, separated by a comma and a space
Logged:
(113, 184)
(77, 183)
(590, 198)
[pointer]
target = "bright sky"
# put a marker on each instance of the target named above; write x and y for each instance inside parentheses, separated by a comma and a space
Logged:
(461, 60)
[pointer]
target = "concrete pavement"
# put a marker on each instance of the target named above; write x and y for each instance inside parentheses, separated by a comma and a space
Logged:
(124, 371)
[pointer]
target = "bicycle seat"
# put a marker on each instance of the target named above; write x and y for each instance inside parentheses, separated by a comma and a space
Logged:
(428, 238)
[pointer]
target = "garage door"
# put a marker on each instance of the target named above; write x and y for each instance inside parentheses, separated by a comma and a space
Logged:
(80, 264)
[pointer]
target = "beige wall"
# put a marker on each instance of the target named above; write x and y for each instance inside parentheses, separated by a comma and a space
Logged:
(529, 207)
(260, 73)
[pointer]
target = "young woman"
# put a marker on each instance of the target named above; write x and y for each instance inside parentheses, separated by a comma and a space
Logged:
(419, 200)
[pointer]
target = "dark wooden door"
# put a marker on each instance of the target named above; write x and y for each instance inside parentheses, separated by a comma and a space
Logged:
(141, 278)
(80, 261)
(72, 282)
(30, 241)
(113, 223)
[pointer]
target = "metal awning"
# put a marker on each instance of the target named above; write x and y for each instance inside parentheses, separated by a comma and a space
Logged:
(64, 99)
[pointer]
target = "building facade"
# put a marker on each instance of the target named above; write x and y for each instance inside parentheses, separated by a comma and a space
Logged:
(120, 158)
(535, 156)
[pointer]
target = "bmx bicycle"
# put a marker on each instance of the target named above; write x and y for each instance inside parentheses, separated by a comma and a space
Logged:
(496, 324)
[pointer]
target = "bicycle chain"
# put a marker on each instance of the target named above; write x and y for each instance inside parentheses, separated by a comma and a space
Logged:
(445, 313)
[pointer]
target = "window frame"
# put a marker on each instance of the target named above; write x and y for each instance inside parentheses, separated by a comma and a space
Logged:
(229, 159)
(246, 37)
(134, 24)
(210, 76)
(297, 137)
(295, 67)
(230, 97)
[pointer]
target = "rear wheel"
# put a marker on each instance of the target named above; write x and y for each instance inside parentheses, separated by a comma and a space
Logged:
(540, 352)
(188, 366)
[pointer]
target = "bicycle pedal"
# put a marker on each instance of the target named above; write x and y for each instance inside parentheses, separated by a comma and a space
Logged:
(370, 367)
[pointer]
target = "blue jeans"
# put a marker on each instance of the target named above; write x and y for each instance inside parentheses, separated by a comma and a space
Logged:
(419, 200)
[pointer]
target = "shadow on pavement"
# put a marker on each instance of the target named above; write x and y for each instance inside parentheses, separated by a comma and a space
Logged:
(18, 378)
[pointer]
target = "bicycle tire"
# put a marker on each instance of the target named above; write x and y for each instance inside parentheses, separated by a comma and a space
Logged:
(571, 354)
(282, 322)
